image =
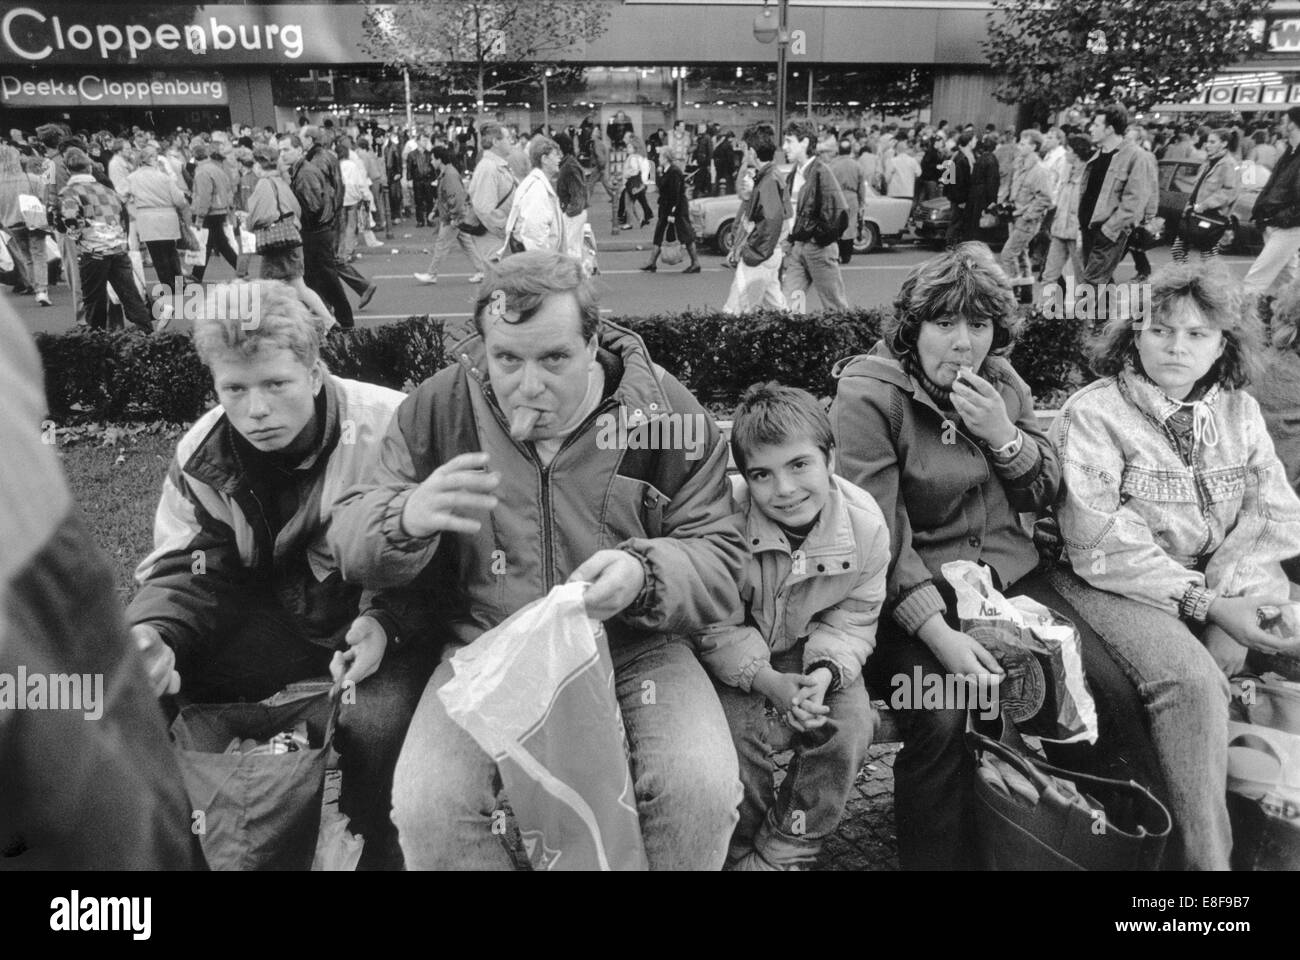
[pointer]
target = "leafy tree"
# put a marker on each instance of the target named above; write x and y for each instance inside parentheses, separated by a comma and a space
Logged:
(1140, 52)
(485, 45)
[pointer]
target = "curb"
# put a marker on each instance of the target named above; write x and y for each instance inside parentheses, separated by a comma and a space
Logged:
(417, 245)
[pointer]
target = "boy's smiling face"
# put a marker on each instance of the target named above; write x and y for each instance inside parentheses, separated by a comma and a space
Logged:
(791, 482)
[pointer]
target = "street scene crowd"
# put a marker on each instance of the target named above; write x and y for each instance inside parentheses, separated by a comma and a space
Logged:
(351, 530)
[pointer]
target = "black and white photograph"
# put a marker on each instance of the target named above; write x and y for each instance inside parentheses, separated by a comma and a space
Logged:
(837, 436)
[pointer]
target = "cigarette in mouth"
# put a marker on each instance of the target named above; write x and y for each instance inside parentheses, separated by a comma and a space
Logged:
(522, 422)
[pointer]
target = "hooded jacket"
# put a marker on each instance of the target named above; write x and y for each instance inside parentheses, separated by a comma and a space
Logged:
(1139, 520)
(671, 508)
(832, 598)
(944, 500)
(210, 509)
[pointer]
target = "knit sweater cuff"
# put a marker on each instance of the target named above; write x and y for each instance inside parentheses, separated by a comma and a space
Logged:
(918, 606)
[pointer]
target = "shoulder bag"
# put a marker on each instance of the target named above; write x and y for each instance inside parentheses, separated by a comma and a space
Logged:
(282, 234)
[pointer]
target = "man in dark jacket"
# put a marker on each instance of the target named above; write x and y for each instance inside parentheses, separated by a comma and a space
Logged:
(316, 197)
(757, 257)
(955, 179)
(820, 218)
(420, 171)
(393, 170)
(674, 213)
(317, 143)
(1277, 210)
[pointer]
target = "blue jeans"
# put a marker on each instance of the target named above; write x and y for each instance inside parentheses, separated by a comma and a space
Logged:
(684, 770)
(1186, 699)
(788, 827)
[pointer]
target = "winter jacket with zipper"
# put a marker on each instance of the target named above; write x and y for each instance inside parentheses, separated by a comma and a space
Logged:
(315, 197)
(944, 500)
(833, 600)
(673, 512)
(1278, 204)
(213, 191)
(1033, 193)
(768, 212)
(209, 509)
(1139, 520)
(821, 214)
(536, 219)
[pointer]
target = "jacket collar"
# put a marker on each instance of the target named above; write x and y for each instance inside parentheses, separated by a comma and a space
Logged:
(216, 461)
(831, 536)
(1144, 394)
(882, 364)
(618, 347)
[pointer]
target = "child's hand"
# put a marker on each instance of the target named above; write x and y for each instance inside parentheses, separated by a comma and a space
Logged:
(783, 689)
(809, 712)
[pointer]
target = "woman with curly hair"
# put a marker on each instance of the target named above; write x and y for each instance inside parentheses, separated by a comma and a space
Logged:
(1176, 516)
(940, 429)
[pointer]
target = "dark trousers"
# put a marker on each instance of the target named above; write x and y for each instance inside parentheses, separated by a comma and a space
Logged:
(933, 774)
(639, 197)
(166, 261)
(218, 242)
(395, 198)
(321, 274)
(265, 651)
(1101, 256)
(97, 273)
(424, 198)
(957, 227)
(846, 249)
(1140, 261)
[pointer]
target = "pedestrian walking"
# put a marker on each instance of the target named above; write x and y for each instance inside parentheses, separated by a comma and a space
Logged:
(812, 258)
(455, 219)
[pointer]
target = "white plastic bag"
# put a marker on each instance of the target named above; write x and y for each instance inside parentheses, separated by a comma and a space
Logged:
(537, 694)
(197, 258)
(337, 847)
(1039, 649)
(6, 258)
(247, 241)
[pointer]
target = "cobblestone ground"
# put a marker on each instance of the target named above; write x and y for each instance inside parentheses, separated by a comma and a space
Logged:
(865, 839)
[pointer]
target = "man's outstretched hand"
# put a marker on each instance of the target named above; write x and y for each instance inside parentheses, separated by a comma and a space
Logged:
(617, 579)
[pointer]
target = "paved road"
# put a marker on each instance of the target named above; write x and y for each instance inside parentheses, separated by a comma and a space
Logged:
(869, 280)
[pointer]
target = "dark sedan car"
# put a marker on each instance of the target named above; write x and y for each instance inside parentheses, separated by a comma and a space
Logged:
(931, 218)
(1178, 179)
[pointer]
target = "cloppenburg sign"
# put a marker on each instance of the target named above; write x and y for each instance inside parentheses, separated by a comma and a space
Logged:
(178, 34)
(92, 90)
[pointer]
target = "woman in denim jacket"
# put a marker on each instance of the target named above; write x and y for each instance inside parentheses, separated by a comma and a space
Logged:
(1176, 518)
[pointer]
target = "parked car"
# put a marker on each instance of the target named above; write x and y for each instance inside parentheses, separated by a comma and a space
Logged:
(883, 220)
(931, 219)
(1177, 179)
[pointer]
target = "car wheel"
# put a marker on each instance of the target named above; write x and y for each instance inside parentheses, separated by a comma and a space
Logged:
(868, 240)
(726, 233)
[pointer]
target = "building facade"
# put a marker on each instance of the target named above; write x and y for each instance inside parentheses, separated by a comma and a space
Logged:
(167, 65)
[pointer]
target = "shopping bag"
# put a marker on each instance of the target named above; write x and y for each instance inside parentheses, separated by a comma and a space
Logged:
(1264, 773)
(7, 258)
(199, 256)
(33, 212)
(1044, 691)
(247, 241)
(337, 847)
(232, 236)
(256, 811)
(590, 263)
(1030, 815)
(537, 694)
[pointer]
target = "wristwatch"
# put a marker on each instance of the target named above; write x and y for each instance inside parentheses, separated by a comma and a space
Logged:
(1009, 450)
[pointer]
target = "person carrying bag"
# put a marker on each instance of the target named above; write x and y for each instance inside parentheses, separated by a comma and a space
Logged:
(1207, 219)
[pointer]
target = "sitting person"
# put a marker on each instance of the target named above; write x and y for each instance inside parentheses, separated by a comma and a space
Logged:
(939, 428)
(241, 594)
(1278, 387)
(813, 587)
(501, 473)
(1176, 515)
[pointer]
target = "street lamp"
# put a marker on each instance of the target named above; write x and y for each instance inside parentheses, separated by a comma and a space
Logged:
(546, 101)
(765, 31)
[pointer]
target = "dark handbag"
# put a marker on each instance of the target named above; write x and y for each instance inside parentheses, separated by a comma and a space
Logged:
(1203, 231)
(1147, 234)
(256, 812)
(283, 234)
(1029, 819)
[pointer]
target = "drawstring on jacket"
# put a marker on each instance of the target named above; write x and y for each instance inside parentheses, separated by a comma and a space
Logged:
(1204, 427)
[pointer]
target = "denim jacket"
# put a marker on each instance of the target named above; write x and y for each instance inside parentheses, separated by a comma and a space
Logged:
(1139, 521)
(829, 592)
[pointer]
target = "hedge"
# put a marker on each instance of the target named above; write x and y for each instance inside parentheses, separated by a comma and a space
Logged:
(95, 375)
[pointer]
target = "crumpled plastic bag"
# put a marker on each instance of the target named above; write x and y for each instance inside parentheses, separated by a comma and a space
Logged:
(337, 847)
(1044, 692)
(537, 694)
